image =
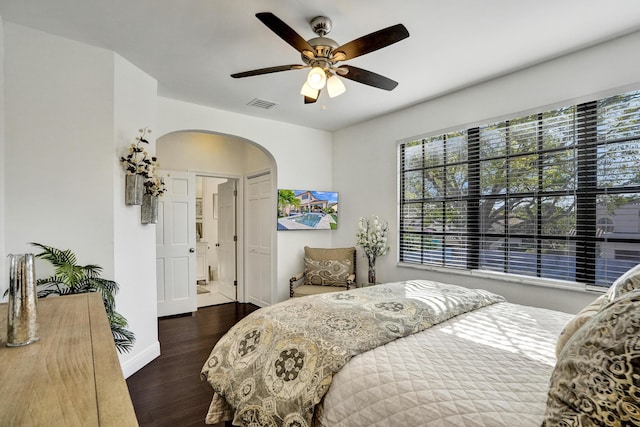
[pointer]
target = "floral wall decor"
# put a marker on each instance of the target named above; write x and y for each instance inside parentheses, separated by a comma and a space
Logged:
(139, 166)
(372, 238)
(154, 187)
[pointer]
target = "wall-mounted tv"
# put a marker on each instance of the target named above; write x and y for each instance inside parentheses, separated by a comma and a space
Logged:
(307, 210)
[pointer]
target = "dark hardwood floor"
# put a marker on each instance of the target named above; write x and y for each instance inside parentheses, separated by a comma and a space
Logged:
(168, 391)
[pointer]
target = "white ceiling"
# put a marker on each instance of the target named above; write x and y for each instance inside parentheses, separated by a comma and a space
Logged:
(192, 46)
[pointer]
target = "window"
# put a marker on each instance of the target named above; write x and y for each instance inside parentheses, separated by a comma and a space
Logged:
(536, 196)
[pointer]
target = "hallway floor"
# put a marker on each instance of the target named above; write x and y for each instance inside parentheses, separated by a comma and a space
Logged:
(208, 295)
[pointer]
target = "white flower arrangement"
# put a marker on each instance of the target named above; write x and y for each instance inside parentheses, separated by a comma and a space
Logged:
(138, 161)
(372, 237)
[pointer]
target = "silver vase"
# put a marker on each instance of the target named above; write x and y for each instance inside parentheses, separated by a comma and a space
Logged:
(22, 324)
(371, 276)
(149, 209)
(134, 186)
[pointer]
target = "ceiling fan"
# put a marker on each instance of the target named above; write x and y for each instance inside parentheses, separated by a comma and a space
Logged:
(321, 54)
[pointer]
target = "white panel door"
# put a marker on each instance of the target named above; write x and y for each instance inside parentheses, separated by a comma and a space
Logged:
(227, 240)
(259, 226)
(175, 245)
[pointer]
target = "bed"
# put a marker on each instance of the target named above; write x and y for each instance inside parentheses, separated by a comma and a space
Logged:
(414, 353)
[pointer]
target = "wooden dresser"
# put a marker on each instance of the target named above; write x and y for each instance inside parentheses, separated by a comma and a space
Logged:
(71, 376)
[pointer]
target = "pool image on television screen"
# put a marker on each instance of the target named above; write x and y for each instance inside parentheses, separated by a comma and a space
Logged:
(307, 210)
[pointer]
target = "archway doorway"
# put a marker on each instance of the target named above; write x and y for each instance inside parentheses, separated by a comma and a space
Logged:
(225, 157)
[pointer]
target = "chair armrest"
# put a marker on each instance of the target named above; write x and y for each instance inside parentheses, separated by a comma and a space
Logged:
(350, 280)
(292, 282)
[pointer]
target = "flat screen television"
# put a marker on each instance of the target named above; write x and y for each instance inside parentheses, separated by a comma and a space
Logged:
(307, 210)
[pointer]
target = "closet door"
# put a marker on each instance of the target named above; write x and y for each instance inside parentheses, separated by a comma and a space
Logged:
(259, 228)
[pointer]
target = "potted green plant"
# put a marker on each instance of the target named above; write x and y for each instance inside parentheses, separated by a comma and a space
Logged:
(70, 278)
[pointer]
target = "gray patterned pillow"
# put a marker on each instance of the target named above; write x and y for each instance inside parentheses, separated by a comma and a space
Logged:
(625, 283)
(326, 272)
(596, 381)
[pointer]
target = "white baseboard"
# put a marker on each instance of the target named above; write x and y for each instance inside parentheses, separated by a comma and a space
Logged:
(141, 360)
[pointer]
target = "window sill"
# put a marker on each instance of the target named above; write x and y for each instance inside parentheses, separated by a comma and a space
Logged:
(513, 278)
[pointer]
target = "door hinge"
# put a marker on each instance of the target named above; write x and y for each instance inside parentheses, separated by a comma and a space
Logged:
(235, 283)
(235, 193)
(235, 238)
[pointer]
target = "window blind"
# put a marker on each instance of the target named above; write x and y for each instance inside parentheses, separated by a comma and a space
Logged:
(553, 195)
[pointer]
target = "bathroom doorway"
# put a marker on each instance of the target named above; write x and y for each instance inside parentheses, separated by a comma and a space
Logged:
(216, 250)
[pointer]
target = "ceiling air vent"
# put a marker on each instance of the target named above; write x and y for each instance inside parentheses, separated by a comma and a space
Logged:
(261, 103)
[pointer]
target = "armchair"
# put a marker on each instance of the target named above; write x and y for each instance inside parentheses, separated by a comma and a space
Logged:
(325, 270)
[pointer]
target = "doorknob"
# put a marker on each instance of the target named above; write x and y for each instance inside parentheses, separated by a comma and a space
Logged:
(191, 250)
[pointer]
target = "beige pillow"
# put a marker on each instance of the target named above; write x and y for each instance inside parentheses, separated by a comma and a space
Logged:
(625, 283)
(329, 253)
(327, 272)
(597, 376)
(580, 319)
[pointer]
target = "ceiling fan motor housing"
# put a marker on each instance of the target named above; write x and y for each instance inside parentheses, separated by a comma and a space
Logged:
(321, 25)
(323, 46)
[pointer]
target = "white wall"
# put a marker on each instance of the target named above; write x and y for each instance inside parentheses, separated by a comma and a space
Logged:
(599, 71)
(3, 254)
(134, 251)
(59, 155)
(72, 109)
(205, 152)
(289, 145)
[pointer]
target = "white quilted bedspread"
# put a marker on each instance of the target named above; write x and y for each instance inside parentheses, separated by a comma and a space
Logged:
(489, 368)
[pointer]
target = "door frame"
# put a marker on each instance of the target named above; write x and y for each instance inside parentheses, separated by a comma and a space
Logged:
(240, 247)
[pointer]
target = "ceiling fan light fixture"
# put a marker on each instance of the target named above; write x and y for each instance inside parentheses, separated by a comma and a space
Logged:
(316, 78)
(309, 92)
(335, 86)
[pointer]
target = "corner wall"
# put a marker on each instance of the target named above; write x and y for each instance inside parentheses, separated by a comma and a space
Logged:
(72, 110)
(591, 73)
(59, 146)
(134, 254)
(3, 254)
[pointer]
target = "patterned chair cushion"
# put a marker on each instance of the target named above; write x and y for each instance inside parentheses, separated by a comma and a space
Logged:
(596, 381)
(625, 283)
(327, 272)
(580, 319)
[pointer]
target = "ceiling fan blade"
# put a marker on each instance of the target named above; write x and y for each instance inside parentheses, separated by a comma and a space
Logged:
(284, 31)
(268, 70)
(368, 78)
(374, 41)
